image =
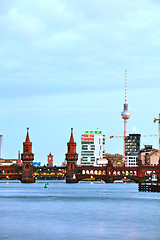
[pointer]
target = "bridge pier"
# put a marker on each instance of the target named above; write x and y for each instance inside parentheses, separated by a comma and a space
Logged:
(109, 180)
(141, 180)
(27, 173)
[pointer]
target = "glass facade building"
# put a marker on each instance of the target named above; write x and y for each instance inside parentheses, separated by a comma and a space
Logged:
(132, 147)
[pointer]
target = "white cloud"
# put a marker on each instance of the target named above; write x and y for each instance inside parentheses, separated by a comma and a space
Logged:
(65, 59)
(78, 41)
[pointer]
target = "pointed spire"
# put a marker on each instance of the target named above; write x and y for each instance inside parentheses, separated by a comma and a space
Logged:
(71, 147)
(71, 138)
(27, 137)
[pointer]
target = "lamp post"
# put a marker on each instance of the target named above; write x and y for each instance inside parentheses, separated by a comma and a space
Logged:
(154, 120)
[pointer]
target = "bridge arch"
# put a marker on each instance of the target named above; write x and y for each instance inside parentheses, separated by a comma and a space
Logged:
(92, 177)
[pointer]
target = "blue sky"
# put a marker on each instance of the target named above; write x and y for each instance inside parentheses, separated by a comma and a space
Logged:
(63, 64)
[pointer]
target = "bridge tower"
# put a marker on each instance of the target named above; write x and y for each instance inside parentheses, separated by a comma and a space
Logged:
(27, 158)
(141, 172)
(109, 172)
(71, 158)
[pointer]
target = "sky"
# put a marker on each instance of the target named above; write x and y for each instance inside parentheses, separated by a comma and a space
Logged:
(62, 65)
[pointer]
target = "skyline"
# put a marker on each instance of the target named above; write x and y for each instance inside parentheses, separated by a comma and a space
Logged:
(63, 65)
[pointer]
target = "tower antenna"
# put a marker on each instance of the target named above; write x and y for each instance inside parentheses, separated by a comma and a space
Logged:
(125, 114)
(125, 86)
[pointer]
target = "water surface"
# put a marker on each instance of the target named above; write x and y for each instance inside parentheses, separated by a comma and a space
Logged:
(89, 211)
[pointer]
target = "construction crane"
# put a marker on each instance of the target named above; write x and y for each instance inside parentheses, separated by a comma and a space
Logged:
(152, 135)
(116, 137)
(154, 120)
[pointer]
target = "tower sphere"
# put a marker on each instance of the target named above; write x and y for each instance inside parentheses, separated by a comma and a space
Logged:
(125, 114)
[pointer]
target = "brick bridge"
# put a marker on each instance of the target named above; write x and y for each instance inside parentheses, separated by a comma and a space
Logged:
(73, 173)
(107, 173)
(10, 172)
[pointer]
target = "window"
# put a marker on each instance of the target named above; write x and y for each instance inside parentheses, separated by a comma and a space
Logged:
(26, 167)
(84, 147)
(92, 147)
(71, 166)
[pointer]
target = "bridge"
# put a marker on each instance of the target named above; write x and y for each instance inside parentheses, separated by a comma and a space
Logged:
(50, 173)
(107, 173)
(40, 173)
(11, 172)
(73, 173)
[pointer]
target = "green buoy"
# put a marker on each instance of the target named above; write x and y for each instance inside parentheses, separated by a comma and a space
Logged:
(47, 183)
(45, 186)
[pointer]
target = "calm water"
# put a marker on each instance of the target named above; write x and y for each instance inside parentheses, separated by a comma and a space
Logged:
(82, 211)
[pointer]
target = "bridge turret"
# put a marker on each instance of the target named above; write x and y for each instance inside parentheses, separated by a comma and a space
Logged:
(27, 158)
(141, 171)
(71, 158)
(109, 172)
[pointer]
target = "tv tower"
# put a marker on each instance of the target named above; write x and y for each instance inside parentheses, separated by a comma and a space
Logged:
(125, 114)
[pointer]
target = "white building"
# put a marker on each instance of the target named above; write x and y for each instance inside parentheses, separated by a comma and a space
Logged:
(92, 147)
(131, 161)
(149, 155)
(102, 161)
(9, 162)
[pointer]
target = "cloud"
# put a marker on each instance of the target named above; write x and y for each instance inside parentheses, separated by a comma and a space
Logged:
(66, 60)
(64, 46)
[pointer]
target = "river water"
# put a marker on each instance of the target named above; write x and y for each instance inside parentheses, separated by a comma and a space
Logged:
(83, 211)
